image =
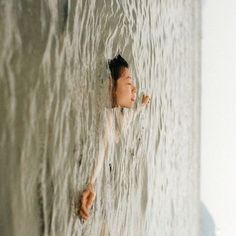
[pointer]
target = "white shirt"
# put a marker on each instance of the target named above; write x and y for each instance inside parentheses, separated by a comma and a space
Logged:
(113, 123)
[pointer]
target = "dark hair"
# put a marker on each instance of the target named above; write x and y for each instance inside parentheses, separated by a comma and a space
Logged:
(116, 65)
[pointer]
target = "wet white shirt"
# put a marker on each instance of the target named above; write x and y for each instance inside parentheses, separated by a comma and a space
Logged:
(113, 123)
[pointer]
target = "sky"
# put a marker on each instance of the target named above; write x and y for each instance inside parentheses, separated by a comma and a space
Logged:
(218, 114)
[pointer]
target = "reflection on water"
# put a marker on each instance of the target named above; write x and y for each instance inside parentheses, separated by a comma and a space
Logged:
(53, 76)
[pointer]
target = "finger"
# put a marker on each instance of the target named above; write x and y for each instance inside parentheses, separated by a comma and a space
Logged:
(144, 98)
(83, 215)
(85, 210)
(84, 197)
(91, 198)
(83, 206)
(89, 205)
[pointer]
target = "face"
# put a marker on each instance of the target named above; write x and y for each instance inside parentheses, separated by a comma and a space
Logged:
(125, 90)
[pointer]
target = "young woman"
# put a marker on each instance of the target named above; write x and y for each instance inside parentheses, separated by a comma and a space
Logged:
(123, 95)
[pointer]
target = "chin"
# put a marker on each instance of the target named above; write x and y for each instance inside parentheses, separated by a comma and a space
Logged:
(130, 105)
(127, 105)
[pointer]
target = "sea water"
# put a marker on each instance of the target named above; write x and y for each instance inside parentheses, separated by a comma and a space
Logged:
(53, 84)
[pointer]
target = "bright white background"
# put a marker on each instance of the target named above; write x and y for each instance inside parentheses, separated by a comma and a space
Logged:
(218, 118)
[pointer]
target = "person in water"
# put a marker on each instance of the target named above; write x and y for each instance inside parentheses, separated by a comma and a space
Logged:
(123, 95)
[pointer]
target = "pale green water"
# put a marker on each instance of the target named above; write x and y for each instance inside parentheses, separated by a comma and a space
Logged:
(53, 77)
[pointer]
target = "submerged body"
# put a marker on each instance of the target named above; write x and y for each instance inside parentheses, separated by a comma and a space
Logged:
(123, 97)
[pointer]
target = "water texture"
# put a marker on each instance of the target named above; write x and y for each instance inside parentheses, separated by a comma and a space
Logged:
(53, 83)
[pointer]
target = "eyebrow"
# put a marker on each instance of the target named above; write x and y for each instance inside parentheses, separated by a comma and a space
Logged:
(128, 77)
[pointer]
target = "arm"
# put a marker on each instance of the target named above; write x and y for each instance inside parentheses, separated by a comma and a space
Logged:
(89, 193)
(105, 126)
(103, 146)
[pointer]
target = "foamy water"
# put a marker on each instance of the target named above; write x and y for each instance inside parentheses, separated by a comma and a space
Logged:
(53, 90)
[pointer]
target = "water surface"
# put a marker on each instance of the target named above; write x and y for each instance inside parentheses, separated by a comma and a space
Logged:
(53, 79)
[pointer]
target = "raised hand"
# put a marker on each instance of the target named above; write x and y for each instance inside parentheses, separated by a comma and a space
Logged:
(145, 99)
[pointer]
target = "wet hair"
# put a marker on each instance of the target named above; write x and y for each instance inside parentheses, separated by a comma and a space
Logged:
(116, 66)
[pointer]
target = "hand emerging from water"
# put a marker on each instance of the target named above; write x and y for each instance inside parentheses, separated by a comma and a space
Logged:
(145, 99)
(87, 200)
